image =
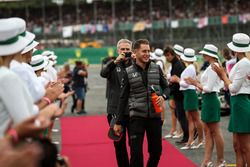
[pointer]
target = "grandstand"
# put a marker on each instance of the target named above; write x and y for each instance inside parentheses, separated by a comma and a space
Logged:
(190, 23)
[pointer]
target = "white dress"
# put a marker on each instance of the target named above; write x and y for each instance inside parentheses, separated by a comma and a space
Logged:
(29, 78)
(16, 104)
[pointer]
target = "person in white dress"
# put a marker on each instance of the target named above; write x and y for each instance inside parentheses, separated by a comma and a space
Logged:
(210, 85)
(238, 84)
(190, 99)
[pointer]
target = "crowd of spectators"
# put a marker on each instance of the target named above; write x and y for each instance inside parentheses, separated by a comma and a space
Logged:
(103, 14)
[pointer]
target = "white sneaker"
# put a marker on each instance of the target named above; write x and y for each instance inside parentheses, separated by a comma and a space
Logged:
(55, 130)
(56, 142)
(223, 164)
(185, 148)
(177, 136)
(168, 136)
(199, 145)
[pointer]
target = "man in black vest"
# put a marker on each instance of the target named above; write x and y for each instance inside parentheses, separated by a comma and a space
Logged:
(136, 89)
(177, 68)
(113, 70)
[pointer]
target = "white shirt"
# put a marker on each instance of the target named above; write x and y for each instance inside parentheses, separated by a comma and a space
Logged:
(188, 72)
(35, 88)
(210, 81)
(16, 104)
(44, 79)
(169, 72)
(238, 75)
(51, 71)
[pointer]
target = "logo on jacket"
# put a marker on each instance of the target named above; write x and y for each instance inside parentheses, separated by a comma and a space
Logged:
(118, 69)
(134, 74)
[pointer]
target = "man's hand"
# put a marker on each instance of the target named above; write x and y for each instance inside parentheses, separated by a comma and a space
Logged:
(118, 129)
(159, 100)
(119, 58)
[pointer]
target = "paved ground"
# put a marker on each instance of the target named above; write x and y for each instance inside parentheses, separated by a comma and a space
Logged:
(96, 105)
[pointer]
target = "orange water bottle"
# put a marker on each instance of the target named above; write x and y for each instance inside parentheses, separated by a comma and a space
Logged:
(154, 97)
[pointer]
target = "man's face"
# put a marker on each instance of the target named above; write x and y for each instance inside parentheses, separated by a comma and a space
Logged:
(142, 54)
(124, 47)
(169, 57)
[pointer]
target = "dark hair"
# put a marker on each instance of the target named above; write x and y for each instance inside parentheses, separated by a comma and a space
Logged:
(226, 53)
(170, 50)
(137, 43)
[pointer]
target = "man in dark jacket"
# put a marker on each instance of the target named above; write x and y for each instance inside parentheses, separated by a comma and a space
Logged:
(136, 90)
(177, 68)
(113, 70)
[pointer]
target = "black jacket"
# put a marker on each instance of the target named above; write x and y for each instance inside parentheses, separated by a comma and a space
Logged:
(114, 74)
(177, 68)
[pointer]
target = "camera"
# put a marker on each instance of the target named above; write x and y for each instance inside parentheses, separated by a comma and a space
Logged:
(128, 54)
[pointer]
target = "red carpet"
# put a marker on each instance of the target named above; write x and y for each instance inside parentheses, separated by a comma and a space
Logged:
(85, 142)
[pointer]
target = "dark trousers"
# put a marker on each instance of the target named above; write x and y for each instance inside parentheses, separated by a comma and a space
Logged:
(153, 128)
(120, 146)
(180, 115)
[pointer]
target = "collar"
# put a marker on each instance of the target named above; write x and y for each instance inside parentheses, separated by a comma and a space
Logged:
(140, 68)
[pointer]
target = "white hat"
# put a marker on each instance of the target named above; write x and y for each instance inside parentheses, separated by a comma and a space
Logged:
(30, 46)
(34, 50)
(158, 52)
(22, 29)
(38, 62)
(178, 49)
(152, 56)
(240, 43)
(189, 55)
(10, 41)
(210, 50)
(47, 53)
(52, 57)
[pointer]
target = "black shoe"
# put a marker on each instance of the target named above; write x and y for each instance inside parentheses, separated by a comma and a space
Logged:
(72, 109)
(82, 112)
(181, 141)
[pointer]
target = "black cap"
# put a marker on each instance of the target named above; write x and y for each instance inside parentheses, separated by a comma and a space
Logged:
(113, 136)
(111, 132)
